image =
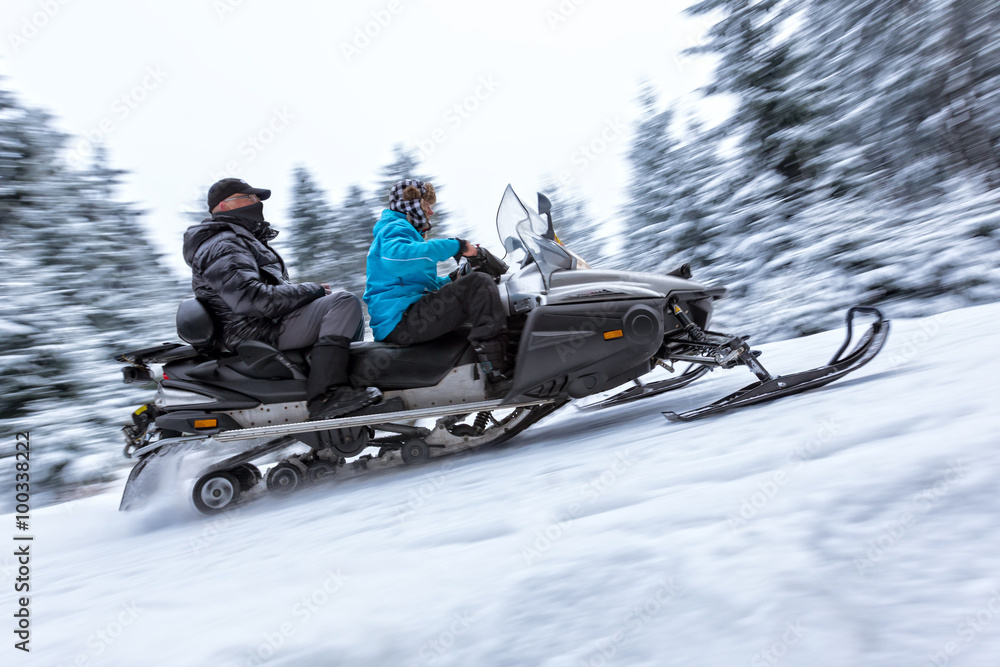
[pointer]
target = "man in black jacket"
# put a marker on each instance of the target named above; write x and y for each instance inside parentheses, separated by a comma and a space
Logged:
(243, 281)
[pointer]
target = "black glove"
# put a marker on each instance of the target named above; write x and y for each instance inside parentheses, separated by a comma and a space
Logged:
(462, 245)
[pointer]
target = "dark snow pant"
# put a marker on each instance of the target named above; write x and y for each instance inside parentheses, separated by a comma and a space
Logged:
(328, 325)
(472, 299)
(333, 316)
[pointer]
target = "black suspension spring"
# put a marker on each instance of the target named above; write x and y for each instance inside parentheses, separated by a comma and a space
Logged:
(689, 326)
(482, 419)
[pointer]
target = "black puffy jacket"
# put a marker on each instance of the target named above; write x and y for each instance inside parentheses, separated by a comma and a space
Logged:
(241, 279)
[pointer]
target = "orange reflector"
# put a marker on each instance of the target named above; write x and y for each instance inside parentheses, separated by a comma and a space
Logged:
(611, 335)
(206, 423)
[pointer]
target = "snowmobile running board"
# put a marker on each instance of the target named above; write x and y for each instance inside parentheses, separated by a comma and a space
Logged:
(640, 391)
(372, 419)
(769, 388)
(368, 419)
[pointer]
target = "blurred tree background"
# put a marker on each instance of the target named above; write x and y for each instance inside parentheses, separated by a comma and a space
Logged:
(330, 243)
(860, 166)
(81, 283)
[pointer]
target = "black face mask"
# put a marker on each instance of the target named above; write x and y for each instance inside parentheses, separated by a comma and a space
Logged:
(255, 215)
(253, 212)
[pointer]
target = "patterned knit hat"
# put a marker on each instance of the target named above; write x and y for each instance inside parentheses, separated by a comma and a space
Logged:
(405, 197)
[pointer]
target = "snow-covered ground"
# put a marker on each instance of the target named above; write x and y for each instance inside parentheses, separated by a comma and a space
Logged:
(858, 524)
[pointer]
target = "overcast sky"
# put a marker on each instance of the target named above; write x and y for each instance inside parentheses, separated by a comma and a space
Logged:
(185, 92)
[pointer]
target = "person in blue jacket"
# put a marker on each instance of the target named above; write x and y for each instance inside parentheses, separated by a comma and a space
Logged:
(408, 302)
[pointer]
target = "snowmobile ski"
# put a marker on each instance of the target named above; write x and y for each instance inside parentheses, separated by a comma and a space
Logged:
(768, 388)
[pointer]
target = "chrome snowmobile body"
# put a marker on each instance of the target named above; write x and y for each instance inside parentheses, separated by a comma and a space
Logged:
(576, 332)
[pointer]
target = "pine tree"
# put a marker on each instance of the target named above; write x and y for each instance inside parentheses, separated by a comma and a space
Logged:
(356, 223)
(312, 240)
(330, 244)
(114, 255)
(775, 102)
(81, 283)
(677, 184)
(34, 358)
(651, 180)
(912, 90)
(855, 122)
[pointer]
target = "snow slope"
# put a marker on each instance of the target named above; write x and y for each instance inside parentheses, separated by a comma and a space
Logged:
(853, 525)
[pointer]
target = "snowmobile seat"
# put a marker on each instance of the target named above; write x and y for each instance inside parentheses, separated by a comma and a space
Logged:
(395, 367)
(197, 328)
(265, 361)
(374, 364)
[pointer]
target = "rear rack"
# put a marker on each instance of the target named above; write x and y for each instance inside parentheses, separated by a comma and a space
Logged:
(159, 354)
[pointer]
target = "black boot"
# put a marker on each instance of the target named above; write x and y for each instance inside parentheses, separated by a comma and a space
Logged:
(493, 358)
(328, 388)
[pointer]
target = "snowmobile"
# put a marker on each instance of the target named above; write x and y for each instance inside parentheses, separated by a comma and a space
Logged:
(574, 332)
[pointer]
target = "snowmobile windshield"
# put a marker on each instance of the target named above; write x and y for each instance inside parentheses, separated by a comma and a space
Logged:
(524, 231)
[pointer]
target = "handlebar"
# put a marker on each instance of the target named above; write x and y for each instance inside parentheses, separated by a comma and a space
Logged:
(488, 263)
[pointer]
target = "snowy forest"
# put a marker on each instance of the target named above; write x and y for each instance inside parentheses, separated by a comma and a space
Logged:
(861, 166)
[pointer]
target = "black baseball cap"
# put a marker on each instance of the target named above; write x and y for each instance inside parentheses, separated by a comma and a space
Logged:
(228, 187)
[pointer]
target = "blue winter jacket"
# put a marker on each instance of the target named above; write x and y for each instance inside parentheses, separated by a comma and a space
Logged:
(402, 267)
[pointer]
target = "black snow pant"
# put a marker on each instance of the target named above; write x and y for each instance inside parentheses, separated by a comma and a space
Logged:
(471, 299)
